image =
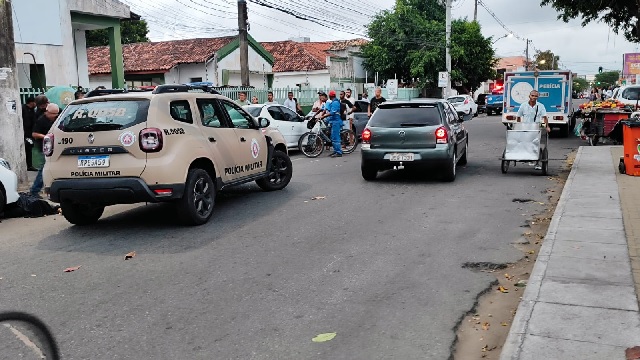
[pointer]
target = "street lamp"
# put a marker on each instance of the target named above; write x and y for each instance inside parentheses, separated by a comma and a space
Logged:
(509, 35)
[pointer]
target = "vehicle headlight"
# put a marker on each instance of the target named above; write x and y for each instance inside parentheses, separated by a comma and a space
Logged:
(4, 163)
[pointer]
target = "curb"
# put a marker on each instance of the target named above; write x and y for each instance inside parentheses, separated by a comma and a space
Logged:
(512, 347)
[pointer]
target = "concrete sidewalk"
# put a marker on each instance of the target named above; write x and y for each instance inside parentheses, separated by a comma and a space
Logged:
(581, 300)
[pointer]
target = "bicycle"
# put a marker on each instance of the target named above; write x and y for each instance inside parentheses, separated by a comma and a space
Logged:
(312, 143)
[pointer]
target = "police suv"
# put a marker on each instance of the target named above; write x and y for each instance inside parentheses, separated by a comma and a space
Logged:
(175, 144)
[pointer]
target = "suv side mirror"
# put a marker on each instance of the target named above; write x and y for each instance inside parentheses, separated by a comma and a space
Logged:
(263, 122)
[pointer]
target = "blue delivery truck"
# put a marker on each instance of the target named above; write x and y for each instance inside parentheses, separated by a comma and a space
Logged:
(555, 89)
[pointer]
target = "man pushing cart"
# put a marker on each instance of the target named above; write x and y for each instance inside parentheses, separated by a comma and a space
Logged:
(527, 141)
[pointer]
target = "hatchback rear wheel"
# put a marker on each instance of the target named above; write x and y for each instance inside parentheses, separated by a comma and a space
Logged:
(369, 172)
(450, 169)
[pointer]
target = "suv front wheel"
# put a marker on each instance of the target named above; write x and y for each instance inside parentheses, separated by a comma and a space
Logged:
(196, 205)
(280, 172)
(81, 214)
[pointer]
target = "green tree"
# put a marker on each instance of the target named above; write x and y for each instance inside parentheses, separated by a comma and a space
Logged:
(547, 60)
(623, 16)
(607, 78)
(132, 31)
(580, 85)
(409, 42)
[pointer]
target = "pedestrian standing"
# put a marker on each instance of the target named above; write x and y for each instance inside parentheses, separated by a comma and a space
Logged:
(41, 105)
(254, 99)
(290, 102)
(346, 108)
(242, 99)
(333, 113)
(365, 96)
(40, 129)
(270, 98)
(28, 120)
(376, 101)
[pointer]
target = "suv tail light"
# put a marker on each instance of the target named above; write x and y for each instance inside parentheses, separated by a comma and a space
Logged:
(366, 136)
(442, 136)
(47, 145)
(151, 140)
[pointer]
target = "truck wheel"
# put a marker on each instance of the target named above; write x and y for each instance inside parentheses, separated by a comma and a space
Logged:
(279, 174)
(81, 214)
(564, 131)
(488, 112)
(196, 205)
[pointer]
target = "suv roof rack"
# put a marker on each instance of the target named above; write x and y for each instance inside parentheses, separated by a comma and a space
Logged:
(101, 92)
(164, 89)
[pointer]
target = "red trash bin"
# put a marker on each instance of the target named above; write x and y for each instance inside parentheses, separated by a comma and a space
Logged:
(631, 140)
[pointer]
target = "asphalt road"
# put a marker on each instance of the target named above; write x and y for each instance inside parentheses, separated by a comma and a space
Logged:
(378, 263)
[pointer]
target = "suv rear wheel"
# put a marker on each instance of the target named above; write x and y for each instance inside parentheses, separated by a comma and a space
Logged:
(196, 205)
(81, 214)
(280, 172)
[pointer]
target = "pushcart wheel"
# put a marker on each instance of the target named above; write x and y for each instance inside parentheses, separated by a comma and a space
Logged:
(545, 162)
(621, 168)
(505, 166)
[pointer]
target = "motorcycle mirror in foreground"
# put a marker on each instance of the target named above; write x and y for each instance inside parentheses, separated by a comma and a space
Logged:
(24, 336)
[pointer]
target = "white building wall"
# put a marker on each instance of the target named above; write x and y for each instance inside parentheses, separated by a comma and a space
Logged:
(100, 80)
(183, 73)
(81, 58)
(257, 64)
(317, 79)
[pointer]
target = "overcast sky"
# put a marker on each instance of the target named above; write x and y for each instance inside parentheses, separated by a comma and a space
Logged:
(581, 50)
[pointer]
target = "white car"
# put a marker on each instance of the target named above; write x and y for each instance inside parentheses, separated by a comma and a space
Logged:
(628, 95)
(291, 125)
(8, 185)
(464, 103)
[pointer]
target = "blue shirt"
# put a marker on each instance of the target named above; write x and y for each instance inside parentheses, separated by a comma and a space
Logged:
(333, 107)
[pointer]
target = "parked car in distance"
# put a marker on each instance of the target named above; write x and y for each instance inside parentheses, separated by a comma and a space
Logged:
(8, 185)
(628, 95)
(495, 104)
(464, 103)
(423, 133)
(482, 103)
(360, 117)
(283, 119)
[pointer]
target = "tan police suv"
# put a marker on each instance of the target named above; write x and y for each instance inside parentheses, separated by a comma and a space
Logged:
(170, 145)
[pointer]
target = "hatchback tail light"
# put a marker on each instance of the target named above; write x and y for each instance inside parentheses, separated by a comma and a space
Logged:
(466, 101)
(47, 145)
(442, 136)
(151, 140)
(366, 136)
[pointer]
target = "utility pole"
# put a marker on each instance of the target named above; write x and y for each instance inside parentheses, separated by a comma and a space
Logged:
(448, 47)
(11, 134)
(527, 55)
(475, 12)
(243, 23)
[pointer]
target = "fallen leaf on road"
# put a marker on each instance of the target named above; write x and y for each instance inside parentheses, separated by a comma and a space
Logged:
(130, 255)
(509, 277)
(521, 283)
(318, 198)
(531, 252)
(485, 326)
(34, 275)
(324, 337)
(503, 289)
(504, 324)
(72, 269)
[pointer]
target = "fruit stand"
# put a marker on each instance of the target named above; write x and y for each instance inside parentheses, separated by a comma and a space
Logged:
(601, 121)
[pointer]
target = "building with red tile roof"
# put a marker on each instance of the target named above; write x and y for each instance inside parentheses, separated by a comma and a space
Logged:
(214, 60)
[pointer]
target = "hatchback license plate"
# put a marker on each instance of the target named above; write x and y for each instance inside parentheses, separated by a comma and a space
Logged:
(93, 161)
(401, 157)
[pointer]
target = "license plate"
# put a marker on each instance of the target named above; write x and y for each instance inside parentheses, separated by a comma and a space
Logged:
(401, 157)
(93, 161)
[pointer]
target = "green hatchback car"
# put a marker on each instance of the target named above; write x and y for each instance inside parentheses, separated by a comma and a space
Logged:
(425, 133)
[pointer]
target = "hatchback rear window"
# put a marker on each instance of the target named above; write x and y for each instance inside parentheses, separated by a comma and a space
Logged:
(456, 99)
(406, 116)
(103, 115)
